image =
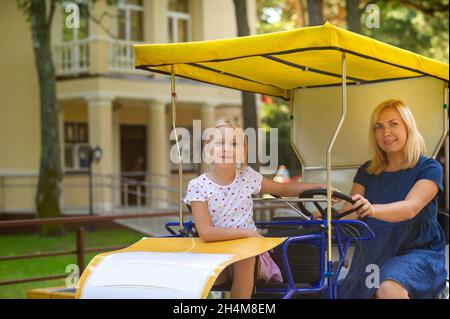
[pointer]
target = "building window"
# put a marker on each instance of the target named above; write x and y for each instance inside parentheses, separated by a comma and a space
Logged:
(76, 34)
(178, 21)
(76, 146)
(131, 20)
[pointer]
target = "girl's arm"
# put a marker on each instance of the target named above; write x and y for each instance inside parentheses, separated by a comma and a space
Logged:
(208, 232)
(418, 197)
(288, 189)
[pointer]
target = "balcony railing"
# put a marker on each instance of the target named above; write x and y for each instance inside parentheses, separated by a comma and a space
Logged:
(89, 55)
(121, 56)
(71, 58)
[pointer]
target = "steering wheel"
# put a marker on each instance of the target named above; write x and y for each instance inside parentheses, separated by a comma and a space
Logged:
(323, 211)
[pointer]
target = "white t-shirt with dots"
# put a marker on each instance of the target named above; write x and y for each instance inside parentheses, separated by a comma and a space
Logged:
(230, 205)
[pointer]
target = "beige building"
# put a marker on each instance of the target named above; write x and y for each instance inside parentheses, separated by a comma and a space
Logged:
(104, 101)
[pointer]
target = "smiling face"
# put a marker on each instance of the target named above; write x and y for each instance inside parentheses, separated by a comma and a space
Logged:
(227, 146)
(394, 139)
(390, 131)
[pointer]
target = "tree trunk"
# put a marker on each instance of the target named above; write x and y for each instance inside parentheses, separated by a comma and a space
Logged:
(248, 99)
(299, 13)
(353, 16)
(315, 12)
(49, 184)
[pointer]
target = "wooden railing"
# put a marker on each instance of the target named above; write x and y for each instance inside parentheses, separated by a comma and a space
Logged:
(80, 249)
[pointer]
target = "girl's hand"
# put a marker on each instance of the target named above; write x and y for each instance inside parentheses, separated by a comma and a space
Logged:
(366, 209)
(316, 215)
(334, 200)
(255, 233)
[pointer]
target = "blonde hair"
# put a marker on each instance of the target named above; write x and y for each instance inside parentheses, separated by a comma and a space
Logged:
(414, 147)
(230, 123)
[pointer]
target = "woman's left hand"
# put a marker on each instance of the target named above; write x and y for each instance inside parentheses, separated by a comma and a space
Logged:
(366, 209)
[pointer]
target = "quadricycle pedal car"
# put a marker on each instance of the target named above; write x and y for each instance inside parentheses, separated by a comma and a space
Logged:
(332, 79)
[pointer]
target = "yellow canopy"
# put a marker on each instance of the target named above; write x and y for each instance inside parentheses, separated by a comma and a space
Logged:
(275, 63)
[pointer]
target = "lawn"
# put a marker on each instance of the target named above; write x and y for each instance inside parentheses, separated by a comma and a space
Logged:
(45, 266)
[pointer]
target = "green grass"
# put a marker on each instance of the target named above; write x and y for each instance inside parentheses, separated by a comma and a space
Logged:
(11, 245)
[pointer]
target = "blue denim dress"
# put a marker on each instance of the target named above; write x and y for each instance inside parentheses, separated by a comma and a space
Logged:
(411, 252)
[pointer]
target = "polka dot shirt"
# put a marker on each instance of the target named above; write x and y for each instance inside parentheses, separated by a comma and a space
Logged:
(230, 205)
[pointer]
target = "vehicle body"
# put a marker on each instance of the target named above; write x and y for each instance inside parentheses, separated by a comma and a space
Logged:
(332, 79)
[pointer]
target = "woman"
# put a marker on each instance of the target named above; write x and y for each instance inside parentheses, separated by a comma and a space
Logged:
(397, 194)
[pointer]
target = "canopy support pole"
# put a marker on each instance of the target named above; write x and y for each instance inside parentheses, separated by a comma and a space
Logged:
(446, 147)
(330, 273)
(173, 97)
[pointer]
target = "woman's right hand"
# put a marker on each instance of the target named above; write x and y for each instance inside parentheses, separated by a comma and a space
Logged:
(366, 209)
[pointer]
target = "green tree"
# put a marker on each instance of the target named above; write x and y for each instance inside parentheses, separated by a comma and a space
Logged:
(353, 15)
(277, 15)
(420, 26)
(416, 25)
(315, 12)
(275, 114)
(48, 193)
(39, 13)
(248, 99)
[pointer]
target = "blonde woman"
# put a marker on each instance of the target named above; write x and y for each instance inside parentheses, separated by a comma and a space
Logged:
(397, 194)
(222, 206)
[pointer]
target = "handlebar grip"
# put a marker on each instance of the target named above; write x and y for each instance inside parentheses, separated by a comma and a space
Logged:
(310, 193)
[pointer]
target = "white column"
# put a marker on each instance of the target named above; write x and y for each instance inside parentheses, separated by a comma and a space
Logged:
(157, 20)
(117, 191)
(208, 117)
(62, 151)
(101, 134)
(158, 153)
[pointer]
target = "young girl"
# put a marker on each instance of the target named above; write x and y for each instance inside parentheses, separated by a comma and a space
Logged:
(222, 206)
